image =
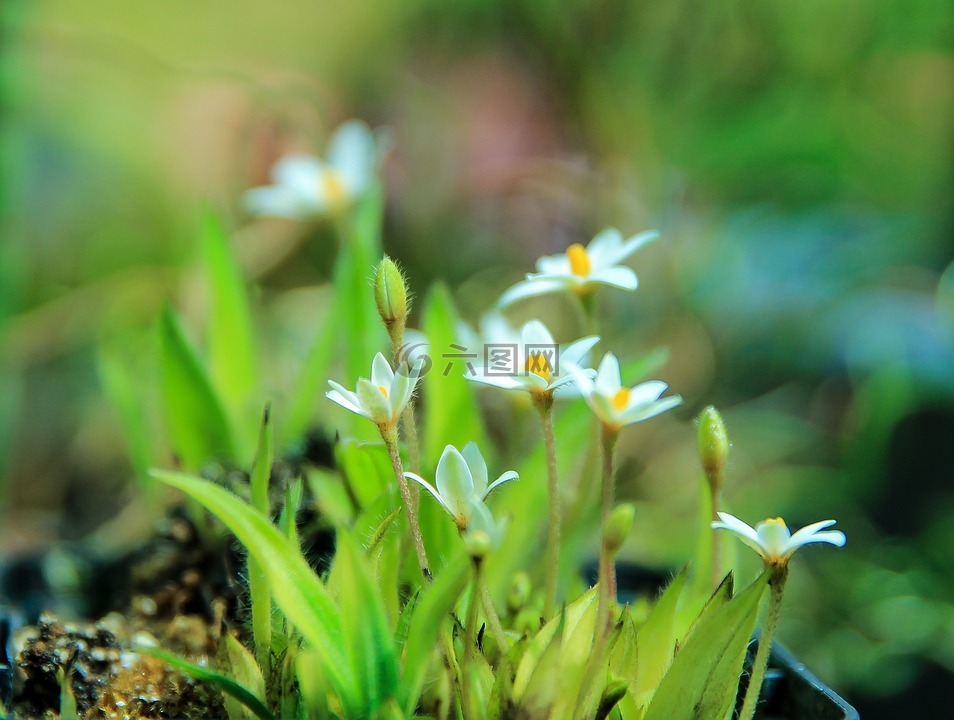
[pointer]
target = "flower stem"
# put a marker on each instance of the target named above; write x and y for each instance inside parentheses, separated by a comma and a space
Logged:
(545, 406)
(777, 587)
(389, 434)
(607, 569)
(470, 642)
(493, 619)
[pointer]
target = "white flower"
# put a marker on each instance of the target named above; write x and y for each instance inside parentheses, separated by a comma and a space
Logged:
(537, 364)
(616, 405)
(580, 268)
(772, 539)
(306, 187)
(382, 398)
(462, 484)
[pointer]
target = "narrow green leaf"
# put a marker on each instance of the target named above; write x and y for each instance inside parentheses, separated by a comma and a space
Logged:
(197, 422)
(312, 382)
(435, 604)
(656, 640)
(310, 670)
(366, 468)
(67, 698)
(232, 358)
(365, 626)
(218, 680)
(120, 389)
(244, 671)
(704, 676)
(452, 416)
(259, 592)
(295, 588)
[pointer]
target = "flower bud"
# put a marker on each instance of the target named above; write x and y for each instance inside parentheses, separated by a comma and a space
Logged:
(618, 527)
(713, 443)
(520, 591)
(390, 294)
(477, 543)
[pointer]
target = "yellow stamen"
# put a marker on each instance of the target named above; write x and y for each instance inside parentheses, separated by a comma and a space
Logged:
(579, 260)
(775, 521)
(621, 399)
(539, 365)
(384, 390)
(333, 189)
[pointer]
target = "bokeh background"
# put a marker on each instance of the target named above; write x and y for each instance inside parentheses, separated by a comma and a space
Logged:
(796, 157)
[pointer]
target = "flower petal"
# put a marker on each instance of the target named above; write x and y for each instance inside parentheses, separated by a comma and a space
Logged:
(431, 489)
(352, 154)
(631, 245)
(554, 265)
(478, 468)
(645, 412)
(604, 247)
(381, 372)
(745, 532)
(575, 353)
(277, 201)
(535, 333)
(834, 537)
(504, 478)
(299, 173)
(454, 481)
(507, 382)
(530, 288)
(618, 276)
(373, 401)
(345, 402)
(608, 378)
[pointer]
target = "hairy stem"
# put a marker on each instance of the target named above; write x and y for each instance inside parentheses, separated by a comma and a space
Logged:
(607, 569)
(389, 434)
(777, 587)
(493, 619)
(470, 642)
(545, 407)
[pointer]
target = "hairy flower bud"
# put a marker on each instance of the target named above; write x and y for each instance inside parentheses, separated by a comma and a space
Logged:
(618, 527)
(390, 294)
(713, 443)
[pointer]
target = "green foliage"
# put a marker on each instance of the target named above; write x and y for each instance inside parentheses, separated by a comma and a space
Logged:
(222, 682)
(194, 414)
(233, 363)
(704, 676)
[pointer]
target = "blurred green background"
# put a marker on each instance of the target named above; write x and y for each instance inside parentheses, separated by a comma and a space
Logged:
(796, 157)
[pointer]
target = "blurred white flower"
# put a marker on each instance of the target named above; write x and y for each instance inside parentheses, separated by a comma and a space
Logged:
(462, 484)
(772, 539)
(616, 405)
(306, 187)
(580, 268)
(382, 398)
(536, 364)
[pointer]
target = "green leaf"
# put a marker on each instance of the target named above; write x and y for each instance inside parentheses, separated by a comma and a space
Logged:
(704, 676)
(312, 382)
(295, 588)
(244, 671)
(365, 626)
(218, 680)
(656, 640)
(366, 468)
(434, 606)
(197, 422)
(452, 416)
(67, 698)
(119, 387)
(259, 593)
(232, 359)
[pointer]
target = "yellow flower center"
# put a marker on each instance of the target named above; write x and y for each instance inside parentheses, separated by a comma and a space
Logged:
(775, 521)
(621, 399)
(579, 260)
(539, 365)
(333, 189)
(384, 390)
